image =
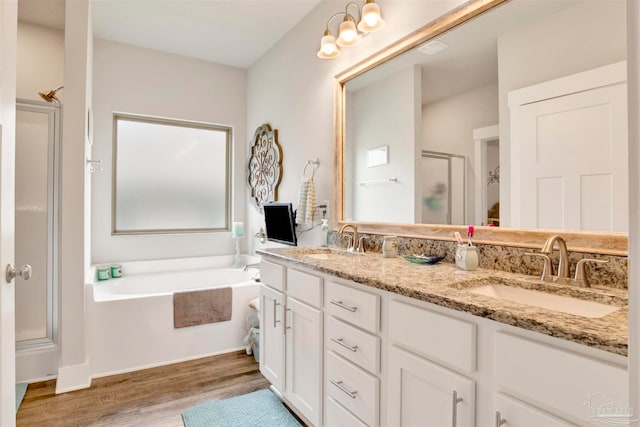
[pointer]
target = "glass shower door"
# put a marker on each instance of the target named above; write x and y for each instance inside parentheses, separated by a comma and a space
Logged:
(37, 137)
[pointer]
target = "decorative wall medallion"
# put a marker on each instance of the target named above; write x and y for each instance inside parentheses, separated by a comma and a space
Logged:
(265, 166)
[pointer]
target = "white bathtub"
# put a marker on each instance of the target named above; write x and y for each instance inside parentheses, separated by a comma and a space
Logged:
(130, 319)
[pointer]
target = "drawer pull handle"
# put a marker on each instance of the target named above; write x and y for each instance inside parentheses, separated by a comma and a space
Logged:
(454, 413)
(499, 419)
(275, 305)
(346, 307)
(341, 342)
(285, 320)
(351, 394)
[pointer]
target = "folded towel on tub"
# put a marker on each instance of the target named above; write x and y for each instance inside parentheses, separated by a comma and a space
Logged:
(199, 307)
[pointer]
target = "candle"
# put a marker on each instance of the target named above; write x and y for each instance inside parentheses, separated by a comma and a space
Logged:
(237, 229)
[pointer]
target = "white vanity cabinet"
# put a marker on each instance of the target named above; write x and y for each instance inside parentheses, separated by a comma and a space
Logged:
(353, 355)
(346, 354)
(291, 345)
(420, 389)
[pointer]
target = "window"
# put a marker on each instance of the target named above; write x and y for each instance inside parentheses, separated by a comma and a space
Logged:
(169, 176)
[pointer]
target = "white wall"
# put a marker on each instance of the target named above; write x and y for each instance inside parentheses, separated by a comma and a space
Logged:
(551, 48)
(142, 81)
(292, 89)
(40, 60)
(447, 127)
(75, 196)
(392, 124)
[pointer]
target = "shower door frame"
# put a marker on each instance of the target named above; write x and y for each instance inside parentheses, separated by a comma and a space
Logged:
(43, 352)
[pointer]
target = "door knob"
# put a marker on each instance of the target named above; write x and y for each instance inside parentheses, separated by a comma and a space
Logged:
(23, 272)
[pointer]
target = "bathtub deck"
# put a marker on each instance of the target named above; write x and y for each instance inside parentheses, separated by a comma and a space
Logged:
(151, 397)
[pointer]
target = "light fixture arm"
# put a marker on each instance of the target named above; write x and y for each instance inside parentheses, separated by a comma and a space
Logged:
(346, 11)
(330, 19)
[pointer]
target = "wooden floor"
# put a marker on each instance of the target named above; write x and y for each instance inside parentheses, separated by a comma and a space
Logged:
(152, 397)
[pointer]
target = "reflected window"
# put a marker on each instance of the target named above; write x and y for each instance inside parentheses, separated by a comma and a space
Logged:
(170, 176)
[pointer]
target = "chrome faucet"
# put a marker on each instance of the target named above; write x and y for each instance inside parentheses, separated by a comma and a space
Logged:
(354, 243)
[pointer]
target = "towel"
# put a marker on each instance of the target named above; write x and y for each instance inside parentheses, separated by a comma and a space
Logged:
(199, 307)
(306, 201)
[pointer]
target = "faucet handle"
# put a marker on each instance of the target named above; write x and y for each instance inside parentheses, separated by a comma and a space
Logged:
(581, 272)
(547, 268)
(361, 247)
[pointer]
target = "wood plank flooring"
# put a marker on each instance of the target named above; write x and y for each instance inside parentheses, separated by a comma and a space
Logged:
(151, 397)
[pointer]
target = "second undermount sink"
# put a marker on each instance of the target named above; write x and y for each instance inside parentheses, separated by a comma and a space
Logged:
(546, 300)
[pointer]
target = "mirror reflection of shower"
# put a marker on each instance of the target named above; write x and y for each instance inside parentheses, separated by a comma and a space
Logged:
(50, 96)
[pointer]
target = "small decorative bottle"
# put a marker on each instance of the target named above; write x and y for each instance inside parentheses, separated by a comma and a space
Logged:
(324, 233)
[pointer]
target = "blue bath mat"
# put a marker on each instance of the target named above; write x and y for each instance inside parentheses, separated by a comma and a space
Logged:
(21, 389)
(261, 408)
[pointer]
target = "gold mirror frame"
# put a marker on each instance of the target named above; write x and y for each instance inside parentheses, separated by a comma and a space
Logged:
(578, 241)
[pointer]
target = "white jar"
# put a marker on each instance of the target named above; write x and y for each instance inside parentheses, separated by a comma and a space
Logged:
(467, 257)
(389, 246)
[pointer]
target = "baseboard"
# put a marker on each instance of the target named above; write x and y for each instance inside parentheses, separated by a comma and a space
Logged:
(74, 377)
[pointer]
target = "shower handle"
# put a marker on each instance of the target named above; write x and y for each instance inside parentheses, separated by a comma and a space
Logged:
(23, 272)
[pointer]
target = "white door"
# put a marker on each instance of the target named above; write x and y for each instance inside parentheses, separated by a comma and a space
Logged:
(571, 169)
(304, 359)
(421, 393)
(8, 42)
(272, 336)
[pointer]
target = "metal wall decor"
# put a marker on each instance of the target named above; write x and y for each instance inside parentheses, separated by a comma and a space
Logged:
(265, 166)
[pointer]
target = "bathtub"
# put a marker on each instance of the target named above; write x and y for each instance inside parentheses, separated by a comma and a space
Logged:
(130, 319)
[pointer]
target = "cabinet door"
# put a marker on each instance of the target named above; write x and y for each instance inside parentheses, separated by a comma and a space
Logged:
(304, 359)
(421, 393)
(272, 336)
(511, 412)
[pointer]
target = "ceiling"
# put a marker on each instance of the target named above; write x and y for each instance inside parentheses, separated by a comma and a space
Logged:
(231, 32)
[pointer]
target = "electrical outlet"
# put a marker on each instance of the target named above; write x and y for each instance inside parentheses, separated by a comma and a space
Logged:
(323, 209)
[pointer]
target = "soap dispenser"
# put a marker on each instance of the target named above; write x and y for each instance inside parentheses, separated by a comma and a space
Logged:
(324, 233)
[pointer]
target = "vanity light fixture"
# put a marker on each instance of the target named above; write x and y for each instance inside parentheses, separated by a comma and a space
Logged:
(351, 30)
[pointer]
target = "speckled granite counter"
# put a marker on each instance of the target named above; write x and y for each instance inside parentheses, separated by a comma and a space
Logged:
(447, 286)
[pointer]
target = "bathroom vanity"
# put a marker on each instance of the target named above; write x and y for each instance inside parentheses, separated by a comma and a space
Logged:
(357, 339)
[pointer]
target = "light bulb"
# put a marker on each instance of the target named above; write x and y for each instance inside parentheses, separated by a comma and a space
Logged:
(371, 18)
(348, 35)
(328, 48)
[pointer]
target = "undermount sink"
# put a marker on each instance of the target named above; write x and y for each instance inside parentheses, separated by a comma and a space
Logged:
(323, 253)
(546, 300)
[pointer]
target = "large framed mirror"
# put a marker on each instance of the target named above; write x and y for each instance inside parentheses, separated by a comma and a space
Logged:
(502, 112)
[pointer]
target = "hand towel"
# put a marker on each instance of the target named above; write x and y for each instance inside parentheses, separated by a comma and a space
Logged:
(306, 201)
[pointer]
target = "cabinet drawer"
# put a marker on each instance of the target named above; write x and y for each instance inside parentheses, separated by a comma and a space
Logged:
(357, 307)
(272, 275)
(304, 287)
(438, 337)
(353, 388)
(359, 347)
(568, 382)
(337, 416)
(517, 413)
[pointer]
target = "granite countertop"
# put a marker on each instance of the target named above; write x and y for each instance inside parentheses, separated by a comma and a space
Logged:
(447, 286)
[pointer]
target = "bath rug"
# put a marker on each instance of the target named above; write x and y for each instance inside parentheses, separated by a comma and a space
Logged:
(21, 389)
(192, 308)
(261, 408)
